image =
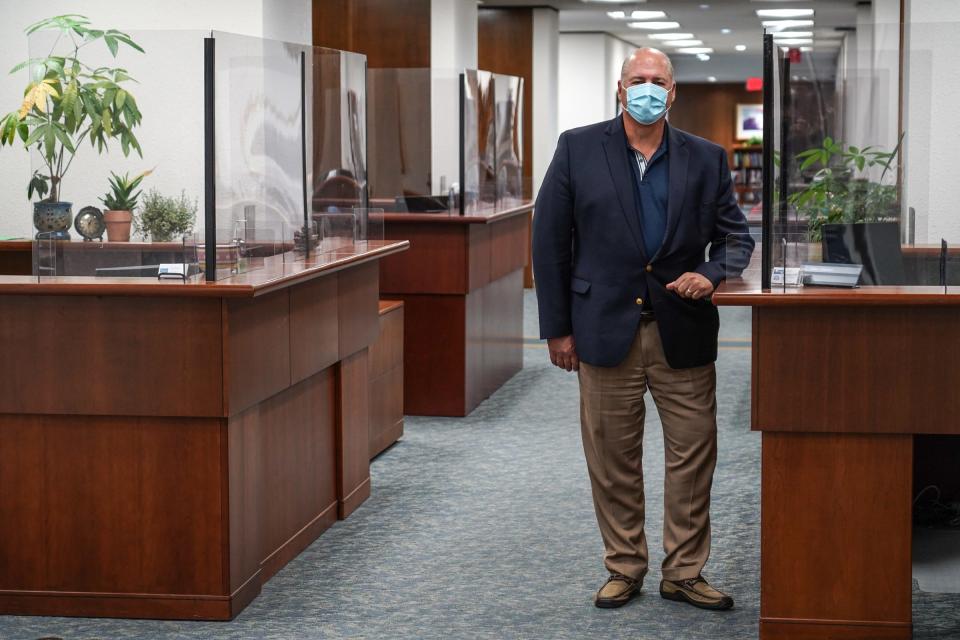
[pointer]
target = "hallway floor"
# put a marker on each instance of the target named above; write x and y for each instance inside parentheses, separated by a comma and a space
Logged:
(483, 527)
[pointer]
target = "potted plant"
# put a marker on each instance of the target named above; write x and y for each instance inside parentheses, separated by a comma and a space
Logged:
(119, 204)
(841, 191)
(163, 218)
(65, 103)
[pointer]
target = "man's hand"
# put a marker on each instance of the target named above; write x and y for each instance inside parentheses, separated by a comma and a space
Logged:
(692, 285)
(563, 353)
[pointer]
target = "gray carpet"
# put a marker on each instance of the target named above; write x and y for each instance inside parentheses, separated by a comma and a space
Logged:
(483, 528)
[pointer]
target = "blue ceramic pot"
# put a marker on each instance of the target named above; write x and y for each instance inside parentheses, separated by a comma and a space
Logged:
(53, 218)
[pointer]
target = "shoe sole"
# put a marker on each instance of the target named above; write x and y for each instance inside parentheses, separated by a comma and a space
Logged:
(680, 596)
(610, 603)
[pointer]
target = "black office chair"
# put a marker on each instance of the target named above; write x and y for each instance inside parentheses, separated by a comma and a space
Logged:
(875, 245)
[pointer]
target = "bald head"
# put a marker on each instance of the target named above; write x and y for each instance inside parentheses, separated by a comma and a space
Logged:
(647, 62)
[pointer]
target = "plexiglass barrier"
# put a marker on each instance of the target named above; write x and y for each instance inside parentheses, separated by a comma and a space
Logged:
(195, 148)
(855, 157)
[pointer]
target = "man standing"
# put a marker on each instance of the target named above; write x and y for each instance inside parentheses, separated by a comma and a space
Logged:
(623, 220)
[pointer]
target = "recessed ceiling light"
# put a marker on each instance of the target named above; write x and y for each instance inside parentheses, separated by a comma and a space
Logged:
(794, 41)
(711, 78)
(741, 47)
(653, 25)
(793, 34)
(781, 25)
(702, 57)
(784, 13)
(694, 50)
(806, 48)
(704, 6)
(724, 30)
(636, 15)
(684, 43)
(671, 36)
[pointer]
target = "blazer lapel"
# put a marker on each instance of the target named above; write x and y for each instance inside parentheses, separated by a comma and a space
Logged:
(679, 156)
(615, 149)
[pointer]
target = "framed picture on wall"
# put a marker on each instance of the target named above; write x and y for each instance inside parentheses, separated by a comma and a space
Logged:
(749, 121)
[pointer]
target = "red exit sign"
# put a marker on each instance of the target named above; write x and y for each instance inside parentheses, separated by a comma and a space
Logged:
(754, 84)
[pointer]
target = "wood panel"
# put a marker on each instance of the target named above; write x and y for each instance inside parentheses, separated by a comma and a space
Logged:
(298, 456)
(86, 355)
(509, 243)
(392, 33)
(314, 327)
(91, 504)
(435, 263)
(256, 349)
(503, 330)
(505, 45)
(709, 110)
(16, 258)
(836, 535)
(434, 344)
(386, 410)
(353, 433)
(358, 308)
(850, 356)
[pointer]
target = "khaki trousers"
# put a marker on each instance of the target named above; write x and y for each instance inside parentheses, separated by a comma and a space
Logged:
(611, 417)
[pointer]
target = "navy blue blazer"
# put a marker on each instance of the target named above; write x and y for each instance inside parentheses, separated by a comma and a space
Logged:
(589, 262)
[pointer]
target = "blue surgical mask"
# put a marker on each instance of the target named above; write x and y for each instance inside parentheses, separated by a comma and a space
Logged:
(647, 102)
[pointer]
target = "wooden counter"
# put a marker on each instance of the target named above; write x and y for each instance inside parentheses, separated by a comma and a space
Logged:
(844, 380)
(166, 447)
(462, 288)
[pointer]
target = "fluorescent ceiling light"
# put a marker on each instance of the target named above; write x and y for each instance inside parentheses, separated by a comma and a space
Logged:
(653, 25)
(711, 78)
(795, 41)
(684, 43)
(784, 13)
(702, 57)
(781, 25)
(636, 15)
(671, 36)
(694, 50)
(724, 31)
(793, 34)
(806, 48)
(741, 47)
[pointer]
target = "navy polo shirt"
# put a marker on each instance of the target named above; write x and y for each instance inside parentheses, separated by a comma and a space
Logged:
(652, 186)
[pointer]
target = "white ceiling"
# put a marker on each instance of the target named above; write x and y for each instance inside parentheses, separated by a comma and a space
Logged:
(705, 19)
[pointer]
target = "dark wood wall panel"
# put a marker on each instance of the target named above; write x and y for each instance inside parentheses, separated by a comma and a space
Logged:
(505, 45)
(57, 341)
(72, 523)
(834, 505)
(847, 360)
(709, 110)
(392, 33)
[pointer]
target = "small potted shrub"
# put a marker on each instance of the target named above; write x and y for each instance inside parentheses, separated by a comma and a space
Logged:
(119, 204)
(164, 218)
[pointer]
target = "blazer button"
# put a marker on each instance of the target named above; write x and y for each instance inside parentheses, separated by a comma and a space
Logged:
(649, 268)
(639, 300)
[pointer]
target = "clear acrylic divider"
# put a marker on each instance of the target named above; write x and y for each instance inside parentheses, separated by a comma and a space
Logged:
(369, 221)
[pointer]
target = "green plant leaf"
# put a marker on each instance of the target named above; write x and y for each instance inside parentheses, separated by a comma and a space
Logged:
(111, 44)
(106, 122)
(63, 138)
(121, 97)
(49, 142)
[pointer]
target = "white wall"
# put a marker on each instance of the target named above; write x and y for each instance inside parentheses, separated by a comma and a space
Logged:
(545, 92)
(453, 48)
(931, 96)
(589, 70)
(169, 93)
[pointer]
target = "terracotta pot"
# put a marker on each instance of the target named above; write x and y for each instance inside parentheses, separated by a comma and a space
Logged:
(118, 225)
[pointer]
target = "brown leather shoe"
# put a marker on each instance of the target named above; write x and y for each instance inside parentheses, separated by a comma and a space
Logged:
(617, 591)
(697, 592)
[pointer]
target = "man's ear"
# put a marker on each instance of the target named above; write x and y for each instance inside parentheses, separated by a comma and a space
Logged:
(620, 95)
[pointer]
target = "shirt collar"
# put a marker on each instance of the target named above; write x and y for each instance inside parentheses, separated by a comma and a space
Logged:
(661, 150)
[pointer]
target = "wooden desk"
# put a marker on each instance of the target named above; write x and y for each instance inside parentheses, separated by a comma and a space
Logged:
(462, 288)
(166, 447)
(843, 381)
(16, 257)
